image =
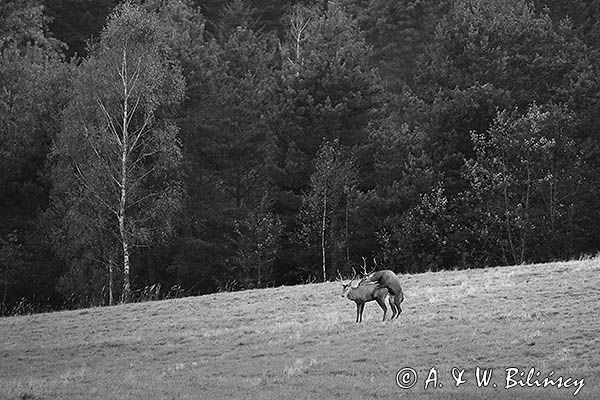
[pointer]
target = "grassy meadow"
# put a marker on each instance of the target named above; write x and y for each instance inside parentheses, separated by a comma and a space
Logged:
(301, 342)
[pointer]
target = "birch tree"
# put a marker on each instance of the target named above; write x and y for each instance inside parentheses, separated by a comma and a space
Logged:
(118, 150)
(325, 208)
(299, 21)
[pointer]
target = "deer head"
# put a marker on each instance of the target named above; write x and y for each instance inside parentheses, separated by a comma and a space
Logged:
(346, 286)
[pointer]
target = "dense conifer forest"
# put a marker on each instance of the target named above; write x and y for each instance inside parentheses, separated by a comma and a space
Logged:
(163, 148)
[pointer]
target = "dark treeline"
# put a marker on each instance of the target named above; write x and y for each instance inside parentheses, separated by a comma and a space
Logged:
(169, 147)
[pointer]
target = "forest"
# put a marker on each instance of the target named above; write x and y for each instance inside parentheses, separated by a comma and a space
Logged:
(165, 148)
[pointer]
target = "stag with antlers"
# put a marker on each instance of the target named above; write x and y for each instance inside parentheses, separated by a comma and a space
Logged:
(385, 279)
(364, 293)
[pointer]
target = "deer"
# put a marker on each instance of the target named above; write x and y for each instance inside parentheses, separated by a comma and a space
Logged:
(384, 279)
(363, 294)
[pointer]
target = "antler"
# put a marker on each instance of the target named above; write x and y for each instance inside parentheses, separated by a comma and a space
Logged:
(341, 279)
(364, 267)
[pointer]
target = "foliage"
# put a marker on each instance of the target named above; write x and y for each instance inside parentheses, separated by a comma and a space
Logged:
(11, 262)
(424, 134)
(487, 57)
(184, 28)
(33, 90)
(417, 240)
(234, 15)
(329, 91)
(23, 24)
(75, 22)
(583, 14)
(228, 144)
(258, 239)
(527, 178)
(506, 44)
(399, 32)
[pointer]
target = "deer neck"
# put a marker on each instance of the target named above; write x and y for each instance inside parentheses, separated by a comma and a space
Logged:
(352, 294)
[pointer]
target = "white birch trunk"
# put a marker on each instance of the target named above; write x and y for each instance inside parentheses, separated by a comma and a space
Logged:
(323, 234)
(110, 281)
(124, 182)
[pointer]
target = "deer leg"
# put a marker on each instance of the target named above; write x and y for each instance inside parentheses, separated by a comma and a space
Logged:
(357, 312)
(381, 302)
(393, 307)
(362, 309)
(398, 299)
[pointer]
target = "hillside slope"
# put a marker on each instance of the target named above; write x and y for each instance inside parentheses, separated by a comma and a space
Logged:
(302, 342)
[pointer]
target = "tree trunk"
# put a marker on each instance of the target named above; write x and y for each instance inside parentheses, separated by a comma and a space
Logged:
(124, 182)
(506, 215)
(4, 293)
(298, 54)
(122, 226)
(258, 280)
(525, 232)
(126, 295)
(346, 231)
(110, 281)
(570, 248)
(323, 225)
(299, 23)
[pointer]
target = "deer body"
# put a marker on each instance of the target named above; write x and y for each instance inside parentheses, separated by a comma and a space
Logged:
(387, 279)
(368, 292)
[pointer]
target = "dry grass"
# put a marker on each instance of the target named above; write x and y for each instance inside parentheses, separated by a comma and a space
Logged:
(301, 342)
